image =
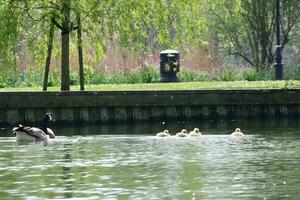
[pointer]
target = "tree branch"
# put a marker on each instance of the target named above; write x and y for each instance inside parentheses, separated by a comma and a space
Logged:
(243, 56)
(55, 5)
(57, 24)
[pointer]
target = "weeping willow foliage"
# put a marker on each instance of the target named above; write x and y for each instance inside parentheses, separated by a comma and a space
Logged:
(142, 25)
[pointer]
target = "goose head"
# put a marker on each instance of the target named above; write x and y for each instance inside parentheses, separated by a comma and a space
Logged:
(48, 118)
(44, 124)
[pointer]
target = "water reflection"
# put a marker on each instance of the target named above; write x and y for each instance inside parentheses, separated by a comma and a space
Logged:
(67, 179)
(131, 163)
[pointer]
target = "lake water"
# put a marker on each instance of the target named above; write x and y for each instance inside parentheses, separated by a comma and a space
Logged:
(129, 162)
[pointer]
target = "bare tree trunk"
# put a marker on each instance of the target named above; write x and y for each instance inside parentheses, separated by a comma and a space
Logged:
(65, 39)
(49, 52)
(80, 52)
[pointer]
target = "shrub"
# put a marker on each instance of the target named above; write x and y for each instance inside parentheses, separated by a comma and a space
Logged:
(74, 78)
(251, 74)
(53, 79)
(268, 74)
(229, 74)
(292, 73)
(148, 75)
(193, 76)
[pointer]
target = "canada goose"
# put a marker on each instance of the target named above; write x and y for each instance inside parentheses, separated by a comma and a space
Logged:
(33, 134)
(195, 133)
(183, 133)
(165, 133)
(237, 132)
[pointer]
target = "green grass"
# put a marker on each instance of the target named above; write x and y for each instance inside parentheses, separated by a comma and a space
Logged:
(208, 85)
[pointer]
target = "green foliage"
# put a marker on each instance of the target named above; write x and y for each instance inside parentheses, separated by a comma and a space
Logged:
(251, 74)
(245, 28)
(148, 75)
(193, 76)
(2, 84)
(144, 75)
(92, 76)
(33, 78)
(292, 73)
(10, 31)
(241, 28)
(53, 79)
(229, 74)
(268, 74)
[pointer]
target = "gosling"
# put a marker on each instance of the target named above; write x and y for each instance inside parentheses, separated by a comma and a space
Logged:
(165, 133)
(183, 133)
(237, 132)
(195, 133)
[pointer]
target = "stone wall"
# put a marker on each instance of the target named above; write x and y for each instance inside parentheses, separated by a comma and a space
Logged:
(136, 106)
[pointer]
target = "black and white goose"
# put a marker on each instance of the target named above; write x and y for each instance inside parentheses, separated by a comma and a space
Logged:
(33, 134)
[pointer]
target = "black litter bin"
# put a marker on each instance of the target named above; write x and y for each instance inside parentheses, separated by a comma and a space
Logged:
(169, 66)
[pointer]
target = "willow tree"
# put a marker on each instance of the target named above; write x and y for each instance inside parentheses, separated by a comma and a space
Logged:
(167, 23)
(133, 23)
(64, 15)
(10, 20)
(98, 19)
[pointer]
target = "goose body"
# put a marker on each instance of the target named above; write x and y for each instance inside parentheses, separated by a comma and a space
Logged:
(29, 134)
(34, 134)
(165, 133)
(237, 132)
(195, 133)
(183, 133)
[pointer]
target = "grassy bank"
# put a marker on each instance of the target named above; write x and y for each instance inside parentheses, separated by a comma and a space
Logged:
(206, 85)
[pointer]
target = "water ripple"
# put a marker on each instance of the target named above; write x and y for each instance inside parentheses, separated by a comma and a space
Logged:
(213, 166)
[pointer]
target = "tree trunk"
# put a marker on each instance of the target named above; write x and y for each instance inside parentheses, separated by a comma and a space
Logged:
(65, 39)
(49, 52)
(80, 52)
(65, 72)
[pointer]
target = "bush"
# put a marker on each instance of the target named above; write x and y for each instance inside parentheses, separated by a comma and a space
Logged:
(229, 74)
(74, 78)
(148, 75)
(268, 74)
(34, 78)
(193, 76)
(93, 76)
(144, 75)
(251, 74)
(292, 73)
(53, 79)
(2, 84)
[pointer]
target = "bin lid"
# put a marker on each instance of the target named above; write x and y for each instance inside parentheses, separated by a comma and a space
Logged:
(169, 51)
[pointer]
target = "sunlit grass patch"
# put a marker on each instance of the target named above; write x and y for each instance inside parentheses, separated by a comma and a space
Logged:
(207, 85)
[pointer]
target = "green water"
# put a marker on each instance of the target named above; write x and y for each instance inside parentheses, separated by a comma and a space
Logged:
(129, 162)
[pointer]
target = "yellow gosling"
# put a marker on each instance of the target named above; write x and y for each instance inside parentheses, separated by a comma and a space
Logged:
(165, 133)
(195, 133)
(183, 133)
(237, 132)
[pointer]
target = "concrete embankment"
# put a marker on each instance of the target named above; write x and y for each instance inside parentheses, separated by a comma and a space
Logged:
(135, 106)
